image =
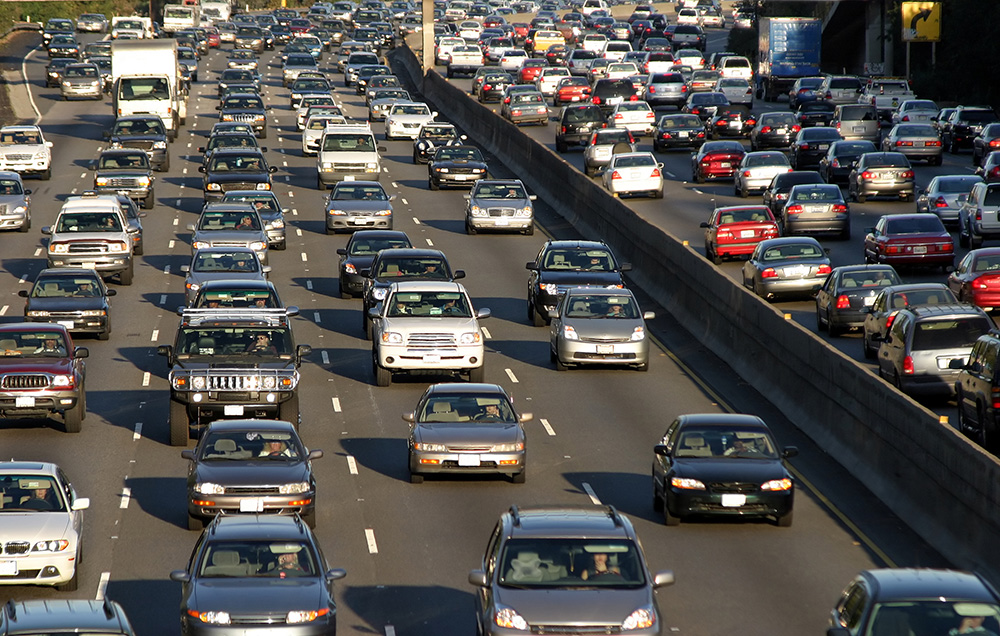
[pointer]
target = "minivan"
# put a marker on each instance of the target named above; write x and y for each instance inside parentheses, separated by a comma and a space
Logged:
(977, 391)
(857, 121)
(979, 216)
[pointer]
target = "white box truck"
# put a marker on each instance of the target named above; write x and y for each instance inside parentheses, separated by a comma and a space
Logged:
(146, 80)
(177, 17)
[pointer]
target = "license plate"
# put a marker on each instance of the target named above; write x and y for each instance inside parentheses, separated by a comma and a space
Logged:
(65, 323)
(605, 349)
(615, 100)
(747, 233)
(24, 402)
(460, 177)
(823, 146)
(858, 129)
(735, 124)
(725, 165)
(733, 501)
(502, 221)
(869, 301)
(359, 221)
(682, 134)
(252, 505)
(468, 460)
(575, 98)
(920, 249)
(432, 357)
(8, 568)
(781, 131)
(233, 409)
(88, 265)
(797, 270)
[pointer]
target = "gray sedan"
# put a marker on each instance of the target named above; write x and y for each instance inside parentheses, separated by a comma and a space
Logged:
(816, 209)
(786, 266)
(221, 263)
(945, 195)
(500, 205)
(916, 141)
(593, 325)
(736, 89)
(15, 203)
(602, 145)
(358, 205)
(229, 225)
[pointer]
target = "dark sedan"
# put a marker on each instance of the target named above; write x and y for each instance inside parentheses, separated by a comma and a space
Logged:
(722, 464)
(842, 302)
(816, 208)
(493, 86)
(235, 169)
(74, 298)
(774, 130)
(705, 105)
(985, 142)
(881, 174)
(732, 121)
(245, 107)
(836, 164)
(910, 239)
(678, 131)
(811, 145)
(776, 194)
(456, 166)
(561, 265)
(242, 466)
(125, 171)
(816, 113)
(359, 254)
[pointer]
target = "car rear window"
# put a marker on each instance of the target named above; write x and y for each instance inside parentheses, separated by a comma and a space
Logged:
(845, 82)
(978, 116)
(858, 113)
(951, 333)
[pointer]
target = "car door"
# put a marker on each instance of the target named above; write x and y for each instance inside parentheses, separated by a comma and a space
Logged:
(662, 463)
(875, 317)
(826, 294)
(960, 278)
(556, 324)
(893, 349)
(484, 595)
(973, 380)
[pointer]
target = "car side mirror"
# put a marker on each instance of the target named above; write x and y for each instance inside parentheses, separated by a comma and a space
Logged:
(459, 273)
(704, 224)
(23, 293)
(272, 169)
(187, 454)
(201, 149)
(409, 417)
(335, 574)
(181, 576)
(166, 351)
(303, 350)
(373, 313)
(218, 107)
(190, 227)
(649, 315)
(81, 504)
(291, 311)
(381, 148)
(365, 273)
(526, 417)
(185, 269)
(202, 169)
(314, 454)
(27, 192)
(46, 230)
(111, 292)
(531, 265)
(663, 578)
(625, 267)
(553, 314)
(789, 451)
(478, 578)
(484, 313)
(107, 135)
(661, 450)
(958, 364)
(48, 144)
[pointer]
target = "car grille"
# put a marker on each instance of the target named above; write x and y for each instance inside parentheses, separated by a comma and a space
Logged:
(462, 170)
(123, 182)
(500, 211)
(468, 448)
(252, 490)
(16, 547)
(576, 629)
(430, 340)
(737, 487)
(229, 244)
(33, 381)
(238, 185)
(17, 157)
(239, 382)
(88, 248)
(140, 145)
(352, 167)
(246, 118)
(257, 619)
(605, 339)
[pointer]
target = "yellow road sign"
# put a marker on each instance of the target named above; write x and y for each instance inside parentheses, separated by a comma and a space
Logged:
(921, 21)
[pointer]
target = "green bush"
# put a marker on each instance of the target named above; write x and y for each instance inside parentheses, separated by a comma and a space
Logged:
(13, 12)
(743, 42)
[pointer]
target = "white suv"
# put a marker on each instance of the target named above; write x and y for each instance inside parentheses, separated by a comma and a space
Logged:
(24, 149)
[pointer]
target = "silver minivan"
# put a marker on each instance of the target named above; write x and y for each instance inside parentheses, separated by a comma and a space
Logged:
(840, 89)
(857, 121)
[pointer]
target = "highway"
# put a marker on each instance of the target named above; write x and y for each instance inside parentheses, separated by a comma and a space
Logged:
(408, 548)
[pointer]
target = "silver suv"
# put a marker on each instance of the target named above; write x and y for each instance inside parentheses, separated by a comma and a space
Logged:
(566, 569)
(979, 216)
(96, 228)
(15, 203)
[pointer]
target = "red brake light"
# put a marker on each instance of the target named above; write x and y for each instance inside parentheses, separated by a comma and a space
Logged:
(796, 128)
(867, 175)
(839, 207)
(906, 118)
(843, 302)
(655, 173)
(619, 116)
(634, 98)
(769, 273)
(994, 143)
(615, 175)
(746, 173)
(888, 321)
(824, 269)
(793, 209)
(908, 365)
(940, 202)
(765, 130)
(908, 174)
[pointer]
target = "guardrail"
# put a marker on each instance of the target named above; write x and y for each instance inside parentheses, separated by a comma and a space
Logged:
(945, 487)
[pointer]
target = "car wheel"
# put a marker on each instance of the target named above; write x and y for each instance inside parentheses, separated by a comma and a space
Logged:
(657, 500)
(907, 198)
(104, 335)
(346, 295)
(669, 518)
(129, 273)
(478, 374)
(860, 198)
(416, 478)
(383, 376)
(26, 225)
(289, 411)
(195, 523)
(149, 201)
(963, 236)
(866, 347)
(820, 325)
(73, 418)
(785, 520)
(561, 147)
(179, 424)
(415, 157)
(896, 381)
(537, 319)
(433, 185)
(166, 165)
(975, 242)
(519, 478)
(47, 174)
(559, 363)
(744, 193)
(699, 178)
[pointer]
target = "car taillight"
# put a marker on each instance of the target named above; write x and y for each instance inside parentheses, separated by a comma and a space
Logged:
(908, 174)
(824, 269)
(995, 143)
(722, 122)
(932, 143)
(634, 98)
(835, 163)
(765, 130)
(619, 116)
(867, 175)
(596, 99)
(746, 173)
(793, 209)
(995, 393)
(908, 365)
(771, 232)
(843, 302)
(829, 95)
(839, 207)
(906, 118)
(838, 126)
(888, 321)
(995, 171)
(940, 202)
(724, 234)
(684, 88)
(979, 215)
(803, 145)
(651, 90)
(769, 273)
(487, 87)
(900, 142)
(615, 175)
(655, 173)
(796, 128)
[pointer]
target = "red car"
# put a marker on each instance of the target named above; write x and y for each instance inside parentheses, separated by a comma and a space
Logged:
(214, 39)
(976, 280)
(530, 68)
(910, 239)
(520, 30)
(736, 231)
(494, 21)
(572, 90)
(716, 160)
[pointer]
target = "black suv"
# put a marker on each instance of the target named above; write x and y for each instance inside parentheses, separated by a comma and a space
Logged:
(232, 363)
(545, 568)
(235, 169)
(776, 194)
(561, 265)
(145, 132)
(963, 126)
(245, 107)
(577, 123)
(71, 616)
(978, 391)
(609, 92)
(125, 171)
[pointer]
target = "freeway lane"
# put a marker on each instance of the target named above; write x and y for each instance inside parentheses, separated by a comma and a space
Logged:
(408, 548)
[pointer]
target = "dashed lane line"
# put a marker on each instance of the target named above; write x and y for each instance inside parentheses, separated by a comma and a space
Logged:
(430, 243)
(126, 498)
(548, 427)
(309, 285)
(38, 252)
(325, 356)
(145, 378)
(416, 221)
(486, 333)
(316, 316)
(3, 310)
(352, 464)
(305, 258)
(370, 537)
(137, 432)
(102, 586)
(163, 299)
(155, 336)
(336, 404)
(590, 493)
(171, 243)
(510, 374)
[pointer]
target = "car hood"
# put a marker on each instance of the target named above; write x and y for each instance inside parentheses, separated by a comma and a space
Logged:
(471, 433)
(587, 607)
(451, 163)
(35, 526)
(229, 236)
(21, 148)
(60, 366)
(604, 328)
(66, 304)
(233, 177)
(13, 200)
(357, 205)
(259, 595)
(123, 172)
(729, 469)
(580, 279)
(123, 139)
(251, 472)
(200, 278)
(407, 119)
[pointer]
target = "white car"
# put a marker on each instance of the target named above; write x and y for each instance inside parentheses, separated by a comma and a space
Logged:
(915, 111)
(636, 117)
(469, 30)
(23, 149)
(688, 16)
(511, 60)
(621, 70)
(405, 119)
(736, 66)
(689, 57)
(313, 131)
(737, 90)
(442, 55)
(42, 526)
(757, 170)
(548, 78)
(634, 173)
(594, 42)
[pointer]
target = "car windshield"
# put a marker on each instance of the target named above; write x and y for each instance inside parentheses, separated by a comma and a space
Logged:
(719, 442)
(233, 341)
(226, 221)
(89, 222)
(951, 333)
(793, 251)
(765, 159)
(249, 445)
(914, 225)
(915, 297)
(499, 191)
(236, 163)
(65, 287)
(244, 559)
(580, 261)
(348, 142)
(243, 103)
(81, 71)
(601, 306)
(935, 617)
(10, 187)
(10, 138)
(30, 493)
(486, 409)
(225, 262)
(916, 130)
(612, 136)
(869, 278)
(232, 141)
(571, 563)
(633, 161)
(370, 247)
(359, 193)
(123, 161)
(33, 344)
(424, 268)
(450, 304)
(679, 121)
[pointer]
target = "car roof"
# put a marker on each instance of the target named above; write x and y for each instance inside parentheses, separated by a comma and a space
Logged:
(924, 583)
(580, 245)
(263, 526)
(940, 311)
(255, 424)
(30, 468)
(428, 286)
(568, 521)
(241, 283)
(475, 388)
(411, 252)
(65, 615)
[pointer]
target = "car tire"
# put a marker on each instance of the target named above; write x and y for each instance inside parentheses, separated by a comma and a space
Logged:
(129, 273)
(289, 411)
(644, 367)
(165, 166)
(25, 226)
(383, 376)
(860, 198)
(835, 330)
(47, 174)
(559, 364)
(658, 194)
(415, 157)
(784, 521)
(530, 230)
(657, 499)
(149, 201)
(73, 418)
(907, 198)
(471, 231)
(344, 294)
(866, 348)
(416, 478)
(589, 170)
(104, 335)
(431, 185)
(478, 374)
(743, 192)
(537, 319)
(820, 325)
(561, 147)
(519, 478)
(195, 523)
(975, 242)
(963, 237)
(669, 518)
(698, 178)
(179, 424)
(72, 584)
(845, 234)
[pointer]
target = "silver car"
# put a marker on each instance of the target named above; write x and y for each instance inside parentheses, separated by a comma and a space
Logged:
(503, 205)
(596, 325)
(404, 119)
(229, 225)
(842, 89)
(82, 80)
(816, 209)
(736, 89)
(915, 141)
(15, 203)
(945, 195)
(358, 205)
(757, 170)
(602, 145)
(466, 429)
(915, 111)
(221, 263)
(786, 266)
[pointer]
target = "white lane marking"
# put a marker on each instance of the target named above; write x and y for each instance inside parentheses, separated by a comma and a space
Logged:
(83, 174)
(405, 202)
(137, 434)
(73, 191)
(298, 231)
(394, 184)
(336, 404)
(166, 269)
(390, 630)
(23, 280)
(291, 194)
(304, 257)
(102, 586)
(170, 244)
(510, 374)
(316, 316)
(429, 242)
(590, 493)
(416, 221)
(309, 285)
(184, 171)
(295, 212)
(486, 333)
(325, 356)
(548, 427)
(287, 178)
(697, 190)
(352, 465)
(38, 252)
(671, 175)
(155, 336)
(284, 164)
(370, 537)
(189, 143)
(145, 378)
(3, 310)
(126, 498)
(163, 299)
(31, 98)
(176, 221)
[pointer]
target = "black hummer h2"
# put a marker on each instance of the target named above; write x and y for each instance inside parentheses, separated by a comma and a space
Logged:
(232, 363)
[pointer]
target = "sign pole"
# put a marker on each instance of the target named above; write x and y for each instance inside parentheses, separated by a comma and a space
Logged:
(908, 61)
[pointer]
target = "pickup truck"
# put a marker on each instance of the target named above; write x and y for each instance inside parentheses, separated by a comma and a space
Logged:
(885, 95)
(467, 58)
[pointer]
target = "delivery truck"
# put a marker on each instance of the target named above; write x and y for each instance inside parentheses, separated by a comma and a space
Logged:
(789, 49)
(146, 80)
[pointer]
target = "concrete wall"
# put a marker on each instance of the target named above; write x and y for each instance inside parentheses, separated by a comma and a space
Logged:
(942, 485)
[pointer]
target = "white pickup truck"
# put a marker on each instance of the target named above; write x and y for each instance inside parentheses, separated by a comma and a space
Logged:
(885, 95)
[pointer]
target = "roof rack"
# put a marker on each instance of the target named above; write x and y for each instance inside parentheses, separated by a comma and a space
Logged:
(515, 515)
(617, 518)
(276, 317)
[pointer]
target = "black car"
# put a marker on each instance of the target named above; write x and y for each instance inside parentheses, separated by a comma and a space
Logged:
(125, 171)
(305, 86)
(578, 122)
(561, 265)
(64, 46)
(678, 131)
(54, 70)
(74, 298)
(774, 130)
(836, 164)
(724, 464)
(776, 194)
(57, 26)
(434, 135)
(964, 124)
(365, 75)
(705, 105)
(811, 145)
(815, 113)
(456, 166)
(493, 86)
(398, 265)
(145, 132)
(250, 37)
(227, 140)
(75, 616)
(609, 92)
(361, 250)
(237, 76)
(731, 121)
(844, 300)
(235, 169)
(247, 107)
(257, 571)
(244, 466)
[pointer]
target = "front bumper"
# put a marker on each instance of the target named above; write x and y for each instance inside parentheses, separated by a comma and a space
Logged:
(41, 568)
(398, 358)
(40, 403)
(466, 463)
(619, 353)
(700, 502)
(213, 405)
(345, 222)
(74, 323)
(103, 264)
(83, 90)
(30, 166)
(500, 223)
(207, 506)
(12, 221)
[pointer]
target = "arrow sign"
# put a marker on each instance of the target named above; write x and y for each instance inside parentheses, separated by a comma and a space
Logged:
(922, 15)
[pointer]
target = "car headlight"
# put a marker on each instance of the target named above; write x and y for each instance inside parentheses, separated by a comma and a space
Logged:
(214, 187)
(96, 83)
(277, 224)
(371, 167)
(442, 170)
(384, 213)
(508, 618)
(143, 181)
(94, 312)
(349, 268)
(22, 210)
(569, 333)
(101, 181)
(686, 483)
(549, 288)
(430, 448)
(642, 618)
(213, 618)
(200, 245)
(116, 144)
(335, 212)
(305, 616)
(257, 245)
(392, 337)
(512, 447)
(294, 489)
(777, 484)
(638, 334)
(469, 338)
(270, 382)
(326, 165)
(159, 145)
(475, 210)
(37, 314)
(522, 212)
(264, 186)
(421, 145)
(51, 545)
(379, 293)
(198, 382)
(62, 380)
(208, 488)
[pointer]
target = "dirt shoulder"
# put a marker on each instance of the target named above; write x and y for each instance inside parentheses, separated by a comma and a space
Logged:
(13, 49)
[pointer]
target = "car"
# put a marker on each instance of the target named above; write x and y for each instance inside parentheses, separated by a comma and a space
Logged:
(250, 466)
(305, 86)
(561, 265)
(15, 203)
(144, 132)
(736, 89)
(734, 231)
(360, 253)
(637, 117)
(603, 144)
(128, 172)
(231, 224)
(805, 89)
(731, 121)
(701, 455)
(840, 89)
(945, 195)
(243, 77)
(811, 145)
(502, 205)
(25, 618)
(976, 278)
(915, 111)
(64, 46)
(266, 204)
(716, 160)
(571, 90)
(634, 173)
(836, 164)
(237, 292)
(666, 89)
(756, 171)
(456, 166)
(242, 58)
(92, 23)
(366, 74)
(881, 174)
(842, 303)
(297, 63)
(245, 107)
(914, 141)
(46, 519)
(23, 149)
(910, 240)
(404, 119)
(493, 87)
(577, 122)
(54, 70)
(221, 263)
(607, 93)
(82, 79)
(689, 35)
(239, 574)
(890, 300)
(774, 130)
(678, 131)
(227, 140)
(353, 205)
(97, 228)
(544, 565)
(705, 105)
(525, 108)
(786, 266)
(964, 124)
(466, 429)
(383, 100)
(434, 135)
(985, 142)
(235, 169)
(74, 298)
(990, 169)
(776, 193)
(816, 209)
(814, 113)
(976, 388)
(465, 59)
(979, 215)
(596, 325)
(702, 80)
